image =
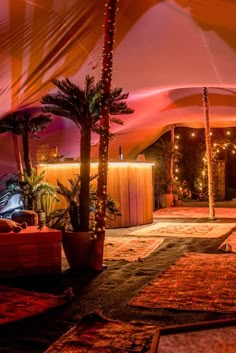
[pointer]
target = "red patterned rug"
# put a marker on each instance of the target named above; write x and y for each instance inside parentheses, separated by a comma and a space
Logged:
(203, 282)
(130, 249)
(218, 340)
(17, 304)
(193, 212)
(96, 334)
(229, 245)
(186, 230)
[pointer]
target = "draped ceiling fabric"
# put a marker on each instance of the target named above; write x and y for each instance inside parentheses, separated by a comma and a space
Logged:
(165, 52)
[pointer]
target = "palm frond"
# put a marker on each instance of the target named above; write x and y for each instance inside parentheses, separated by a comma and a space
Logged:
(117, 121)
(64, 191)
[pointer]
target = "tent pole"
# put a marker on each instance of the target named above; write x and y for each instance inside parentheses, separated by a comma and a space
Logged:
(106, 79)
(209, 155)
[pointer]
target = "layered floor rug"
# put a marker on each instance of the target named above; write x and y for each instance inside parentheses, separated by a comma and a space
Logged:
(130, 249)
(17, 304)
(184, 230)
(229, 245)
(193, 212)
(96, 334)
(202, 282)
(220, 340)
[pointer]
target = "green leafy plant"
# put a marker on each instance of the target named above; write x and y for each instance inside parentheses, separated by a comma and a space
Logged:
(68, 218)
(161, 151)
(35, 192)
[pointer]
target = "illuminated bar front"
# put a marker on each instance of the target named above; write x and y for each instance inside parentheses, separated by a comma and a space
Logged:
(129, 183)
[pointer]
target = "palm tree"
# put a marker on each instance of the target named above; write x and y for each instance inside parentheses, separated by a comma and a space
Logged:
(83, 107)
(163, 152)
(26, 126)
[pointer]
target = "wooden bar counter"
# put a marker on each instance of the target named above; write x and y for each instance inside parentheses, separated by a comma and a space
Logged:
(129, 183)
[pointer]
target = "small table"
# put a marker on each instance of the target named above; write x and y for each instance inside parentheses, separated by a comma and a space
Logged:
(33, 251)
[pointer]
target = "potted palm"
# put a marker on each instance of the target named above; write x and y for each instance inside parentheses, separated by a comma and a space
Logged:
(36, 194)
(67, 219)
(83, 107)
(163, 152)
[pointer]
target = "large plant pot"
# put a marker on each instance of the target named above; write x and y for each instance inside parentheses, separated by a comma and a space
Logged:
(78, 247)
(166, 200)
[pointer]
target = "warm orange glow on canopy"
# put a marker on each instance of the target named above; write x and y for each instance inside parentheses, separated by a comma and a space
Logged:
(165, 52)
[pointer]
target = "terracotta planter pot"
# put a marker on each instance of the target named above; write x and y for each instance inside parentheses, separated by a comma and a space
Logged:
(166, 200)
(78, 248)
(179, 203)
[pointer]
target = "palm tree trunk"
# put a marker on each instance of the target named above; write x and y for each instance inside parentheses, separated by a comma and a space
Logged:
(18, 156)
(26, 153)
(109, 33)
(85, 142)
(209, 155)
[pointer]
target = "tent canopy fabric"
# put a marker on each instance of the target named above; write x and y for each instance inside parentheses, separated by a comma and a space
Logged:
(165, 52)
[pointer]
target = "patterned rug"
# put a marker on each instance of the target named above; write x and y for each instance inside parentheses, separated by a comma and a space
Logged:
(96, 334)
(220, 340)
(229, 245)
(193, 212)
(203, 282)
(183, 230)
(17, 304)
(130, 249)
